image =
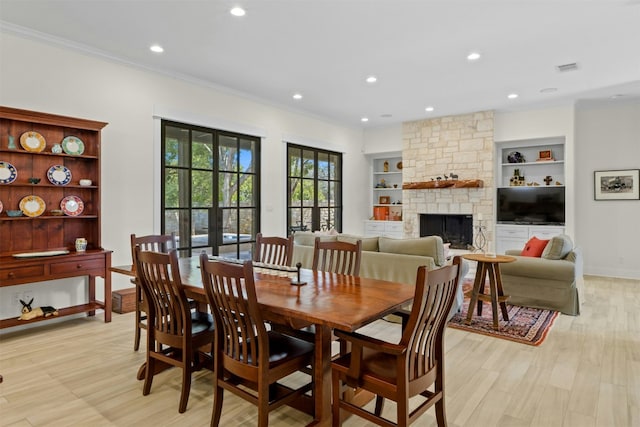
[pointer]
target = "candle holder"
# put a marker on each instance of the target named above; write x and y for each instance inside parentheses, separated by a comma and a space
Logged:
(481, 239)
(298, 282)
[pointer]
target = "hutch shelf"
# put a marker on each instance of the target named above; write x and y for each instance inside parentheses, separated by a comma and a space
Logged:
(47, 224)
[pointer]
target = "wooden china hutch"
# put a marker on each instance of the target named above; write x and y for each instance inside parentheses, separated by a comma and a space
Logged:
(45, 207)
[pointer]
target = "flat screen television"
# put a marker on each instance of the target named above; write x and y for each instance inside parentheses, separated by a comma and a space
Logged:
(531, 205)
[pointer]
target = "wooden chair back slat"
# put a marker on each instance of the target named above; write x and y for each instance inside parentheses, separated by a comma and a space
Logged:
(337, 257)
(274, 250)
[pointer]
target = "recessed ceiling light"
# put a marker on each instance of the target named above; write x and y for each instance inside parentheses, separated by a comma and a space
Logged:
(364, 119)
(372, 79)
(297, 96)
(512, 96)
(549, 90)
(237, 11)
(429, 109)
(617, 95)
(386, 115)
(156, 48)
(473, 56)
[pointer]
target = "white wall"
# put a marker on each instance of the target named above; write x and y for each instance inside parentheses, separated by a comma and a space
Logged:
(607, 138)
(39, 76)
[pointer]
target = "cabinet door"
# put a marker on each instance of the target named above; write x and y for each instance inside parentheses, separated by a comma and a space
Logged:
(373, 228)
(545, 233)
(510, 237)
(505, 244)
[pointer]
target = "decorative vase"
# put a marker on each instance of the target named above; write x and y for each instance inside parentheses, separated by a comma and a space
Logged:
(81, 244)
(56, 149)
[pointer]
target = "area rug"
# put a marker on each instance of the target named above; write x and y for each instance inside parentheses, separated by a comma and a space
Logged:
(526, 325)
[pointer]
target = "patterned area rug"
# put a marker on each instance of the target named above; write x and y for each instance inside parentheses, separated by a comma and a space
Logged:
(526, 325)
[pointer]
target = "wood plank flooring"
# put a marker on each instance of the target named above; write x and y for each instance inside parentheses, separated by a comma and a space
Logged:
(82, 371)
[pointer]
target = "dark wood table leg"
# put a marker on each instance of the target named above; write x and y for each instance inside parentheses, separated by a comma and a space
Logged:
(501, 298)
(474, 293)
(493, 291)
(483, 282)
(322, 376)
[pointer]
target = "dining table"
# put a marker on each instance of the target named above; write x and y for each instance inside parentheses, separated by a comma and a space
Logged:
(326, 300)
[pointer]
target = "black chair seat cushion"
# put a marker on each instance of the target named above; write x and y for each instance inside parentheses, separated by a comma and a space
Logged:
(284, 347)
(201, 322)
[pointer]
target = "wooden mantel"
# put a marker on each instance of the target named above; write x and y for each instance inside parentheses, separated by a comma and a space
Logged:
(439, 184)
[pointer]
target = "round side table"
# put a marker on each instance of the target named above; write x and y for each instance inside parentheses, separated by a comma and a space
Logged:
(488, 267)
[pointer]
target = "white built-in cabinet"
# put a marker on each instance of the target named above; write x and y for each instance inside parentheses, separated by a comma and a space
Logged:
(516, 236)
(383, 228)
(534, 171)
(386, 196)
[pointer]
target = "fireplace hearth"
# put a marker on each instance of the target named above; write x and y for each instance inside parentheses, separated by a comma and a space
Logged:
(456, 229)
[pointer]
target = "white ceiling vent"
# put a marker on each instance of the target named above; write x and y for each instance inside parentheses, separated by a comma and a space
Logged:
(567, 67)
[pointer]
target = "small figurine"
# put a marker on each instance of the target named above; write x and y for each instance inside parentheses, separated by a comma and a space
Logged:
(453, 175)
(385, 166)
(29, 313)
(548, 179)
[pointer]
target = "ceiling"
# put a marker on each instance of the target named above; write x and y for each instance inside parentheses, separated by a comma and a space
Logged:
(324, 50)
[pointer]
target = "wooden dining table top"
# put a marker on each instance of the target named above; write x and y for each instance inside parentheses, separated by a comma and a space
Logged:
(334, 300)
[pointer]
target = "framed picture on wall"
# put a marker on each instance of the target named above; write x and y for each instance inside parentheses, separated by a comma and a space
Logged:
(616, 184)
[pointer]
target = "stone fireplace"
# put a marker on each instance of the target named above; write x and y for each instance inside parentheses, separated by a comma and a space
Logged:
(462, 145)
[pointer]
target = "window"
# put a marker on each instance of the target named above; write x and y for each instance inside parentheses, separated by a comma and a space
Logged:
(314, 189)
(211, 189)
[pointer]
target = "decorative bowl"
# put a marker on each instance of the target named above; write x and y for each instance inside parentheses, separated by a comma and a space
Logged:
(14, 213)
(515, 157)
(56, 212)
(33, 180)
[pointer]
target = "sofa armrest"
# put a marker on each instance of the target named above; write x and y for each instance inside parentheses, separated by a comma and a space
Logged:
(540, 268)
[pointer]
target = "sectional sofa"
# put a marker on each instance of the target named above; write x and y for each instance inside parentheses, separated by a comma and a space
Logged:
(385, 258)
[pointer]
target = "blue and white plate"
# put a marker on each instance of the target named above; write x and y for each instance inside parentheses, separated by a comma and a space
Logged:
(8, 173)
(73, 145)
(59, 175)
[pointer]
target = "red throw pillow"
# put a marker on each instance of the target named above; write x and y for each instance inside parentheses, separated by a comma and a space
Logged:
(534, 247)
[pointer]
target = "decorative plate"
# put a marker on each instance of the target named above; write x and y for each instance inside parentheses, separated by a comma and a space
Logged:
(1, 207)
(32, 141)
(32, 206)
(59, 175)
(73, 145)
(72, 205)
(399, 165)
(8, 173)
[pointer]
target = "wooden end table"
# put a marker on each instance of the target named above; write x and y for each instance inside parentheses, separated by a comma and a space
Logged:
(488, 267)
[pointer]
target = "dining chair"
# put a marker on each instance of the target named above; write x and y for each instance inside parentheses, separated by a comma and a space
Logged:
(337, 257)
(249, 360)
(156, 243)
(273, 250)
(406, 369)
(175, 334)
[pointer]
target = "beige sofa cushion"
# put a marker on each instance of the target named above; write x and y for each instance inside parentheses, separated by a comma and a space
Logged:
(308, 238)
(558, 247)
(425, 246)
(368, 243)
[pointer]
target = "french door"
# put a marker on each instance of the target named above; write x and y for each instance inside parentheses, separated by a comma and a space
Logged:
(210, 189)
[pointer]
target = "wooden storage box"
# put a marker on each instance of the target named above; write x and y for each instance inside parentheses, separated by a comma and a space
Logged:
(124, 300)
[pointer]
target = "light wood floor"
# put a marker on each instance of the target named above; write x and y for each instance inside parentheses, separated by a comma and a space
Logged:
(587, 373)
